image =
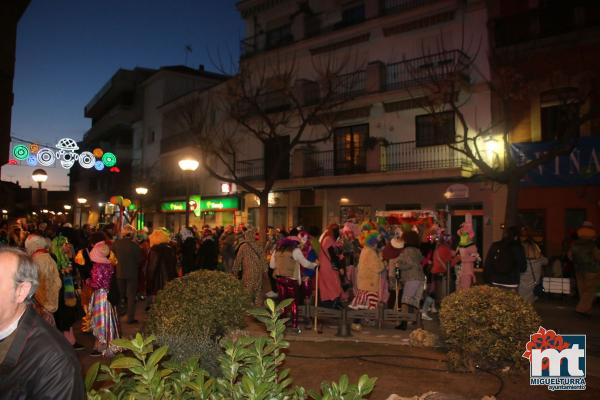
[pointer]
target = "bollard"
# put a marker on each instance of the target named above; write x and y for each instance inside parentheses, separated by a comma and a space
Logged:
(343, 325)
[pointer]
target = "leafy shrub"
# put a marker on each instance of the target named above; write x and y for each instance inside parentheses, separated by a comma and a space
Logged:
(250, 369)
(486, 326)
(193, 312)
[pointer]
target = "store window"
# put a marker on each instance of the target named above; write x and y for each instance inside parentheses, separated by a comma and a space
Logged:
(432, 130)
(349, 149)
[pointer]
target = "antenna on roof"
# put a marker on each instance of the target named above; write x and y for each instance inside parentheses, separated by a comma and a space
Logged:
(187, 50)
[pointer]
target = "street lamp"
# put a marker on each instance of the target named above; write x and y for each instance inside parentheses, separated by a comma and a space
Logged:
(40, 176)
(141, 191)
(81, 201)
(67, 207)
(188, 165)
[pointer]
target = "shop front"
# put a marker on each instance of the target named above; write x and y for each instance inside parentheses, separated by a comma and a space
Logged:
(211, 211)
(556, 198)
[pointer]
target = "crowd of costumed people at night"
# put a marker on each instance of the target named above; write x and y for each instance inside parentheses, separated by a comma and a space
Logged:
(403, 261)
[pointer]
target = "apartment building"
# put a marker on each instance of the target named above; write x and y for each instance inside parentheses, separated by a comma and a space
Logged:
(385, 152)
(555, 47)
(126, 121)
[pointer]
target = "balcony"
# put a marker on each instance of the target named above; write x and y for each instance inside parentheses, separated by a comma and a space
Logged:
(418, 71)
(117, 120)
(396, 6)
(394, 157)
(250, 169)
(406, 156)
(351, 85)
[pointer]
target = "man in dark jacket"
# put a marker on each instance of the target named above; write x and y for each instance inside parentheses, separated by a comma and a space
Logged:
(505, 261)
(129, 256)
(36, 361)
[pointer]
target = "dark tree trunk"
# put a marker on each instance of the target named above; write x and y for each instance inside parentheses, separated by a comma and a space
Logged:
(263, 216)
(511, 217)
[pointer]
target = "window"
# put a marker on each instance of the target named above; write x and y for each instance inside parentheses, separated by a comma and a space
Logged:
(353, 15)
(349, 149)
(435, 129)
(278, 37)
(558, 120)
(273, 149)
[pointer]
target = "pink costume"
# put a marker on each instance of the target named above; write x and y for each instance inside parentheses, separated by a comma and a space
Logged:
(330, 287)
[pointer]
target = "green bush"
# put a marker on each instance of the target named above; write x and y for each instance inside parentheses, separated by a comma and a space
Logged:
(487, 327)
(192, 313)
(250, 369)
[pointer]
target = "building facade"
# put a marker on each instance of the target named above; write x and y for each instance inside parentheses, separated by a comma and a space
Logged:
(555, 47)
(387, 151)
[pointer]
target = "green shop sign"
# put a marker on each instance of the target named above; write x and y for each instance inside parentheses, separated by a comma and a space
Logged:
(207, 204)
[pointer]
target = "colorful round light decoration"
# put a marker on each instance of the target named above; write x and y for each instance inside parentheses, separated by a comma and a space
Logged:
(109, 159)
(21, 152)
(32, 160)
(99, 165)
(12, 162)
(34, 148)
(46, 157)
(87, 160)
(98, 152)
(126, 202)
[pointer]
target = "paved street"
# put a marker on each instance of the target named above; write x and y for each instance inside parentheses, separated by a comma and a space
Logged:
(410, 371)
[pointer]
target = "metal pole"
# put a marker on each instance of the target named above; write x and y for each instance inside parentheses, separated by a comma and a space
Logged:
(80, 212)
(316, 300)
(187, 202)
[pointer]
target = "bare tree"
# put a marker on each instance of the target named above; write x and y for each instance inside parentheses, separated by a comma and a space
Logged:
(446, 86)
(273, 104)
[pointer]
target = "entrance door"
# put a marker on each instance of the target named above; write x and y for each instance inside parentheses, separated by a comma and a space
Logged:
(310, 217)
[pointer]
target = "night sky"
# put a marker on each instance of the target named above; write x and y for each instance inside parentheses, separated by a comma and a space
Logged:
(68, 49)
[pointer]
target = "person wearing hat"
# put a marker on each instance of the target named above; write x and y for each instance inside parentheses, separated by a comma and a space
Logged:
(586, 259)
(468, 254)
(411, 273)
(370, 267)
(129, 256)
(105, 323)
(162, 262)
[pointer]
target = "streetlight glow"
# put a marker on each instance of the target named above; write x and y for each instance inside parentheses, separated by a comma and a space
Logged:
(67, 207)
(100, 204)
(39, 176)
(189, 164)
(81, 200)
(141, 190)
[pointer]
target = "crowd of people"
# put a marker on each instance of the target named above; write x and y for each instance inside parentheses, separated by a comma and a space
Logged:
(96, 275)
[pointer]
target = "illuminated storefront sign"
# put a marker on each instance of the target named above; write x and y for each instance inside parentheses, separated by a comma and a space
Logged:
(206, 204)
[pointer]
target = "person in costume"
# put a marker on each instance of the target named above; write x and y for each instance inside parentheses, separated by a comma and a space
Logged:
(251, 262)
(188, 248)
(369, 275)
(286, 263)
(351, 252)
(104, 321)
(330, 260)
(69, 311)
(46, 295)
(535, 261)
(162, 262)
(83, 263)
(468, 256)
(307, 274)
(411, 273)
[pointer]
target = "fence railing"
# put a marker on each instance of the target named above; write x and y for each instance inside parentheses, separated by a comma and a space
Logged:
(422, 69)
(392, 6)
(318, 163)
(352, 84)
(406, 156)
(250, 169)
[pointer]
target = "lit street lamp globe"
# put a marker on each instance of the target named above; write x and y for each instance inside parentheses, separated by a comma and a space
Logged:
(141, 190)
(67, 207)
(189, 164)
(39, 176)
(81, 200)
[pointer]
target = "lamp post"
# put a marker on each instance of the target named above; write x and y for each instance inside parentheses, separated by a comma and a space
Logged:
(40, 176)
(141, 191)
(188, 165)
(81, 201)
